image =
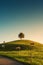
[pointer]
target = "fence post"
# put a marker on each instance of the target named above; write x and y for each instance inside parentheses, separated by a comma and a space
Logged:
(31, 45)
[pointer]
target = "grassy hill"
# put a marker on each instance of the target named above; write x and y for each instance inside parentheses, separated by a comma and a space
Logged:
(29, 51)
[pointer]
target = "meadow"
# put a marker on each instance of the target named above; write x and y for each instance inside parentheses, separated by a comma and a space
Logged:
(31, 54)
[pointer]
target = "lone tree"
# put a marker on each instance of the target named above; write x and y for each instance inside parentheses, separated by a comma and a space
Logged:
(21, 35)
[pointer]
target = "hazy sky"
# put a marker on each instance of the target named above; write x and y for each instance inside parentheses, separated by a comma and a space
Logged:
(21, 16)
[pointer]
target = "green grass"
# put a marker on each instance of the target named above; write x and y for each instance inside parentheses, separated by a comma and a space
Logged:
(32, 55)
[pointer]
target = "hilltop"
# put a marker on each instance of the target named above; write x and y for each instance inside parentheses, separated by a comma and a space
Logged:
(25, 43)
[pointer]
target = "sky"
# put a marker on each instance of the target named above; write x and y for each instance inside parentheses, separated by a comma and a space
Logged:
(21, 16)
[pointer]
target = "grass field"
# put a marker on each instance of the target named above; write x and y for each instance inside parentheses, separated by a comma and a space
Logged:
(27, 53)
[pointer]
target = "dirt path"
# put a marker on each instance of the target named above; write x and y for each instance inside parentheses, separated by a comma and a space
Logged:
(7, 61)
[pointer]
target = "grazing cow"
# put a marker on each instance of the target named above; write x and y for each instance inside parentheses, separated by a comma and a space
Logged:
(3, 46)
(32, 44)
(18, 48)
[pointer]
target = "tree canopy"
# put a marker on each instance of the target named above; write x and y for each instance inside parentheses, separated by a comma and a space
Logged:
(21, 35)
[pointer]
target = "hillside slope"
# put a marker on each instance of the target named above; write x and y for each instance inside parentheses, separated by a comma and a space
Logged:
(23, 43)
(29, 51)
